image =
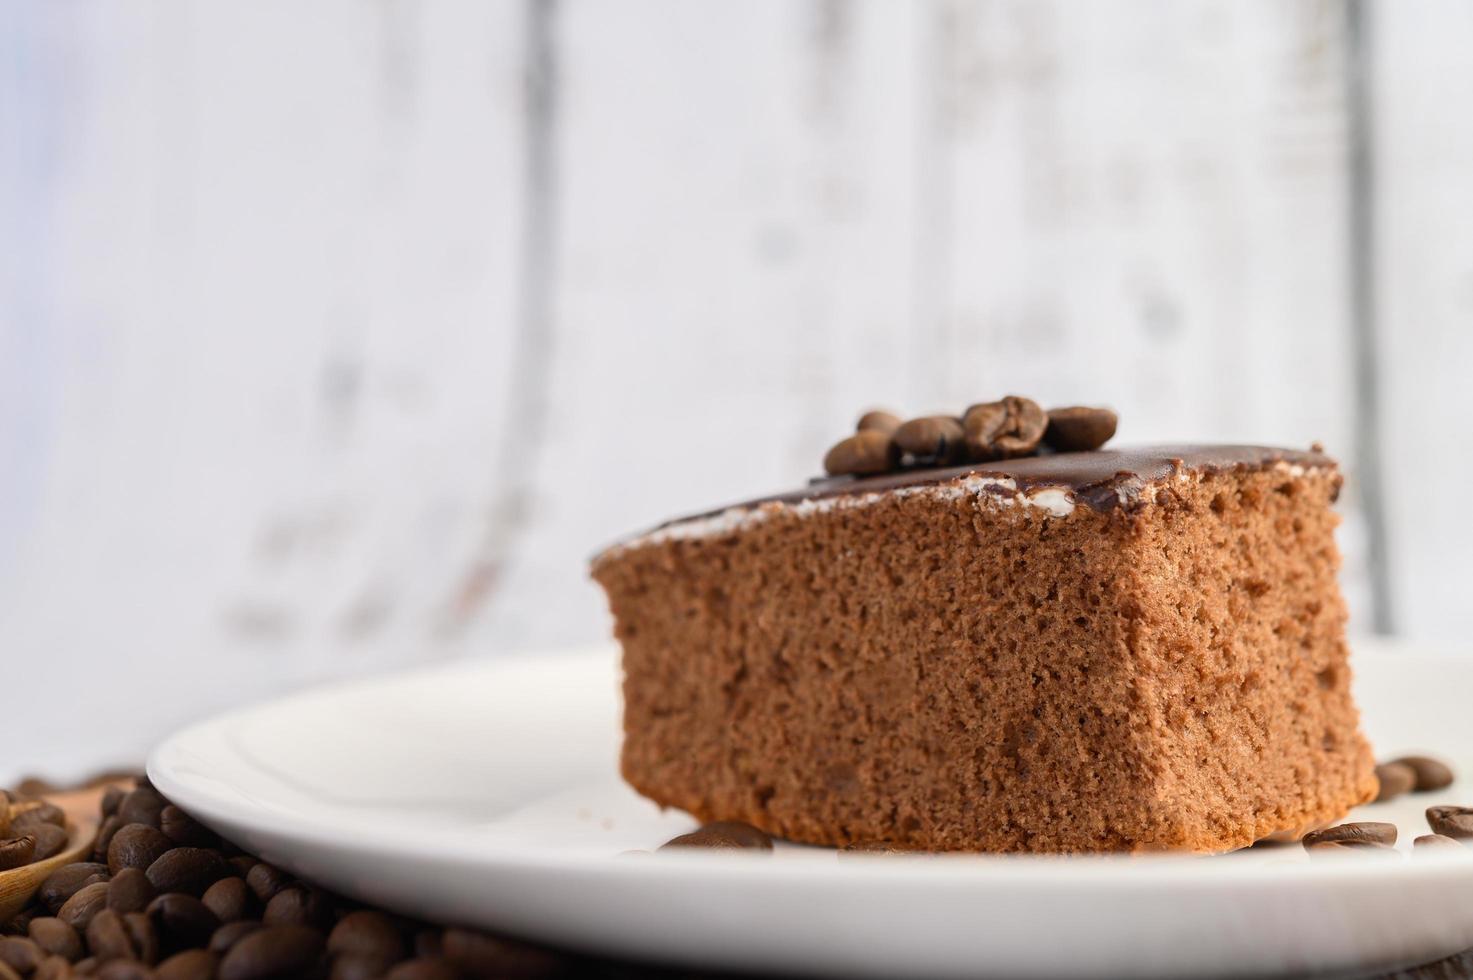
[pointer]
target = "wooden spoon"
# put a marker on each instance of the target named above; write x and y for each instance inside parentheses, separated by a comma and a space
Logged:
(18, 884)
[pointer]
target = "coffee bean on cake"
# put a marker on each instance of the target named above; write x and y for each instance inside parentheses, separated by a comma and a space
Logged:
(1004, 429)
(1354, 833)
(1079, 429)
(1431, 773)
(934, 440)
(863, 453)
(879, 421)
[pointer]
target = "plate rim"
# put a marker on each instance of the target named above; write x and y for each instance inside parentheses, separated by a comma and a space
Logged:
(1107, 872)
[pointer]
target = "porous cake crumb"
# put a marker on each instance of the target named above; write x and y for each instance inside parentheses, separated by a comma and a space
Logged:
(1103, 651)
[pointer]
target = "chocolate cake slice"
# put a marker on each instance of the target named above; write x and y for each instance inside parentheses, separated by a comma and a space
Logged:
(1079, 652)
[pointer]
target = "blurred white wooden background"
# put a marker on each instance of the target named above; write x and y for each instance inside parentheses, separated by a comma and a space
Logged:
(337, 335)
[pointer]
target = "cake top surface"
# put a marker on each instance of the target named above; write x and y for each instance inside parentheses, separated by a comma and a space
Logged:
(1096, 478)
(1103, 480)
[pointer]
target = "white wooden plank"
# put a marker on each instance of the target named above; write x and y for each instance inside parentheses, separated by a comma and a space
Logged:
(733, 266)
(265, 353)
(1143, 204)
(1423, 156)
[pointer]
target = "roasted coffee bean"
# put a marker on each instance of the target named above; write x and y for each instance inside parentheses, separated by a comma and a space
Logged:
(124, 970)
(144, 805)
(54, 968)
(724, 834)
(21, 955)
(1436, 842)
(86, 967)
(105, 833)
(187, 869)
(111, 798)
(230, 899)
(358, 966)
(17, 851)
(1395, 778)
(1350, 847)
(1354, 833)
(18, 925)
(46, 813)
(1078, 429)
(423, 969)
(130, 891)
(275, 951)
(107, 939)
(298, 906)
(144, 935)
(51, 840)
(1451, 821)
(934, 440)
(7, 973)
(862, 454)
(182, 919)
(192, 964)
(243, 864)
(86, 902)
(1005, 429)
(136, 845)
(184, 830)
(1431, 773)
(480, 955)
(66, 880)
(56, 937)
(367, 933)
(231, 933)
(878, 421)
(266, 880)
(429, 942)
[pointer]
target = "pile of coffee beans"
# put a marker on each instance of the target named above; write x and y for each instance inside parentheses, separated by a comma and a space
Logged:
(164, 898)
(30, 835)
(987, 431)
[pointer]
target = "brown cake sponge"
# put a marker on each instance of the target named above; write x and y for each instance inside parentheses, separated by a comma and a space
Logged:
(1114, 652)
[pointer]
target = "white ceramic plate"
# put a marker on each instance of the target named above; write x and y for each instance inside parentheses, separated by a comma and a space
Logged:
(486, 794)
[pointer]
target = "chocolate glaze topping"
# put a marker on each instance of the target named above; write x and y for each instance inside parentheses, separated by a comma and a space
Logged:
(1104, 479)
